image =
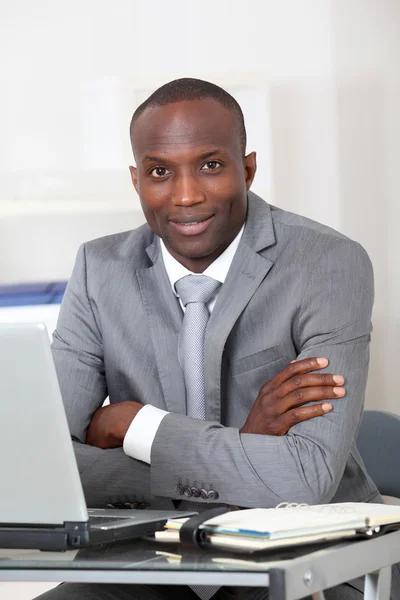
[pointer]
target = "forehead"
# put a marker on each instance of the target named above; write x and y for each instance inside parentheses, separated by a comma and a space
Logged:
(186, 126)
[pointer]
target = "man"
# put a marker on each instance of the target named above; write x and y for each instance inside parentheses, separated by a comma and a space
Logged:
(215, 383)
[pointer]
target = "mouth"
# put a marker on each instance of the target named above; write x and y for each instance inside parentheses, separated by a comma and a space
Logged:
(192, 225)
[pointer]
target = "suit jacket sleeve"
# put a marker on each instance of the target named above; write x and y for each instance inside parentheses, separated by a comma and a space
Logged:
(108, 476)
(306, 465)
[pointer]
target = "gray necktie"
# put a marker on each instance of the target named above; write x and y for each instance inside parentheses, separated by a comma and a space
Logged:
(195, 291)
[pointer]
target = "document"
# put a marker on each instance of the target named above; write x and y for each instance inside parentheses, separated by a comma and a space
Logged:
(287, 525)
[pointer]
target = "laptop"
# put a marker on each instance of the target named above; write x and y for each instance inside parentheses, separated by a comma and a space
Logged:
(42, 505)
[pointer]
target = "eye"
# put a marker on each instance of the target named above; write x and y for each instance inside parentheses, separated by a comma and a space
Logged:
(211, 165)
(159, 172)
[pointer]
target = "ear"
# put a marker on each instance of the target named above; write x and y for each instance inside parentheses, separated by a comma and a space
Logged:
(250, 168)
(133, 171)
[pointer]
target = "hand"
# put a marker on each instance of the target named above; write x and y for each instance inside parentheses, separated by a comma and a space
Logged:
(277, 406)
(110, 423)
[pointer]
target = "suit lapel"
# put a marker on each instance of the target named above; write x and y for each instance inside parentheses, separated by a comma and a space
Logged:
(247, 271)
(164, 317)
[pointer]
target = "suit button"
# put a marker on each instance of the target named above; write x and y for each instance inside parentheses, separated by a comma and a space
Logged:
(195, 492)
(109, 505)
(203, 493)
(179, 489)
(212, 495)
(187, 492)
(143, 505)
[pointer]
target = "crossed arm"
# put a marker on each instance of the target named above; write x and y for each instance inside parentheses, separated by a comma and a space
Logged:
(277, 408)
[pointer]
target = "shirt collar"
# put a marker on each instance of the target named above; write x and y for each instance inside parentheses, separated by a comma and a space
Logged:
(218, 269)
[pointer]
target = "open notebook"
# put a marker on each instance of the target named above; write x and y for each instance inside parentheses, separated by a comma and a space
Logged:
(266, 528)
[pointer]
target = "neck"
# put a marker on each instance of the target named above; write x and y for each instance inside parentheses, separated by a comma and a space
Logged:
(197, 264)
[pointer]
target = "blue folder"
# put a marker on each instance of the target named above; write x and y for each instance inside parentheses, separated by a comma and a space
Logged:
(29, 294)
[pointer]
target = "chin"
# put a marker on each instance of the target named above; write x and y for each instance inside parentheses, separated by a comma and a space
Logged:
(193, 253)
(190, 248)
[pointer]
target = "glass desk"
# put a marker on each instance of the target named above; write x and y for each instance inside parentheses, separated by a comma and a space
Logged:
(290, 574)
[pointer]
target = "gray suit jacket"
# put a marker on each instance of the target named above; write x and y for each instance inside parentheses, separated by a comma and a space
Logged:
(295, 289)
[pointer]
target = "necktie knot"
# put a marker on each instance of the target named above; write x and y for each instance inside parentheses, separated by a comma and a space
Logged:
(196, 288)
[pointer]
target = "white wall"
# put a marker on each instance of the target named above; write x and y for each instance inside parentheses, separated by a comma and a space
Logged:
(366, 46)
(42, 247)
(334, 97)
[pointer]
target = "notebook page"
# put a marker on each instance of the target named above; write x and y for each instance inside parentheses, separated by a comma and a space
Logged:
(274, 523)
(251, 544)
(375, 514)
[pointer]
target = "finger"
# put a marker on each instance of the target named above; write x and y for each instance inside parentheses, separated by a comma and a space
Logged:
(298, 415)
(308, 380)
(298, 367)
(305, 395)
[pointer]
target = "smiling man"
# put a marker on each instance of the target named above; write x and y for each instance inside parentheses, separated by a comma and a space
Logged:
(192, 176)
(210, 328)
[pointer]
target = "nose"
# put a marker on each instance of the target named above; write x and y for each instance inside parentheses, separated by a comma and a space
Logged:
(187, 191)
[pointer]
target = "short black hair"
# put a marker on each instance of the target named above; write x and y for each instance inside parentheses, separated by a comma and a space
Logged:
(188, 88)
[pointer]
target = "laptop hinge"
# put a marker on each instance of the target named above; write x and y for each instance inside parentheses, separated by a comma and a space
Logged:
(77, 533)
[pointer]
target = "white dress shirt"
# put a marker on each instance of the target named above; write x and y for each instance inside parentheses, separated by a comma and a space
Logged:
(142, 431)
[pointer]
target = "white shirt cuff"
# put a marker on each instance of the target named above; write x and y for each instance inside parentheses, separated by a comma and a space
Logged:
(139, 438)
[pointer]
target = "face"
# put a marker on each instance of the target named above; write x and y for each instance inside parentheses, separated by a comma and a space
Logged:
(192, 178)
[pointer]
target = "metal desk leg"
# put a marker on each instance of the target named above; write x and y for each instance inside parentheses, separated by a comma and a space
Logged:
(377, 585)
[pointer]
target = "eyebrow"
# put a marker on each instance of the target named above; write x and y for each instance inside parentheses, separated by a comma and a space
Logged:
(153, 159)
(159, 159)
(211, 153)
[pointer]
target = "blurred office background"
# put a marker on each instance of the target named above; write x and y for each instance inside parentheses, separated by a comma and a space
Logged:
(319, 81)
